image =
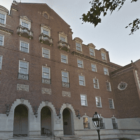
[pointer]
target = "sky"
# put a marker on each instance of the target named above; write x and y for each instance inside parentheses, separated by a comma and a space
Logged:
(111, 34)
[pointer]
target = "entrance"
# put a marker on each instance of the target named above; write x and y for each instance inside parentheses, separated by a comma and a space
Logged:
(67, 122)
(46, 127)
(21, 121)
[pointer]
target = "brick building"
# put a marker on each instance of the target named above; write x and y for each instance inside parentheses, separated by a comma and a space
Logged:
(48, 79)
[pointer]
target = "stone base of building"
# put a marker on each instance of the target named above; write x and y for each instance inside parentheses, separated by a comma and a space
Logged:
(58, 125)
(83, 135)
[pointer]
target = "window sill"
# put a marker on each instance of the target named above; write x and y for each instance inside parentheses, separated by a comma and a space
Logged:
(84, 105)
(93, 71)
(3, 25)
(24, 52)
(82, 85)
(99, 106)
(45, 57)
(92, 56)
(104, 61)
(96, 88)
(79, 51)
(81, 67)
(64, 63)
(106, 74)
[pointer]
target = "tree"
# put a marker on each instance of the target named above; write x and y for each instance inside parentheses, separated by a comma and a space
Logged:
(99, 7)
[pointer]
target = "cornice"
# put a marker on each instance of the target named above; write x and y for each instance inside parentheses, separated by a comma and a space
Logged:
(123, 70)
(93, 59)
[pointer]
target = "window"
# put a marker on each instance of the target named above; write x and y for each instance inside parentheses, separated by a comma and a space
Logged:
(111, 103)
(98, 101)
(24, 47)
(96, 83)
(92, 53)
(46, 75)
(23, 67)
(80, 63)
(1, 40)
(45, 32)
(1, 62)
(45, 72)
(45, 53)
(63, 38)
(83, 100)
(2, 18)
(103, 54)
(25, 23)
(106, 71)
(81, 80)
(93, 67)
(64, 58)
(23, 70)
(78, 47)
(108, 86)
(65, 77)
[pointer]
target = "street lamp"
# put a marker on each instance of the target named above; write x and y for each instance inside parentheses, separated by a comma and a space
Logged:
(97, 121)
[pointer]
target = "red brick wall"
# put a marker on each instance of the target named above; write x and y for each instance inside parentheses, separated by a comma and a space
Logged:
(12, 55)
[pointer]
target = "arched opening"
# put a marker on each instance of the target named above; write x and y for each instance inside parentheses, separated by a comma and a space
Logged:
(46, 121)
(67, 122)
(21, 121)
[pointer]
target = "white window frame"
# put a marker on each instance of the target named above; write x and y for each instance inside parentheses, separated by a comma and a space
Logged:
(78, 46)
(104, 56)
(49, 72)
(42, 53)
(46, 29)
(28, 22)
(64, 59)
(86, 103)
(5, 17)
(109, 86)
(27, 67)
(64, 36)
(81, 80)
(80, 64)
(63, 76)
(112, 102)
(93, 52)
(106, 71)
(99, 101)
(2, 40)
(97, 83)
(24, 42)
(94, 68)
(1, 62)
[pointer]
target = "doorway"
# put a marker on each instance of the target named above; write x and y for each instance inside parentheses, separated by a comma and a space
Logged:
(67, 122)
(21, 121)
(46, 121)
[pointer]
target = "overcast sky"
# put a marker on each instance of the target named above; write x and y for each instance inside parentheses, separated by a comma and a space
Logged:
(110, 34)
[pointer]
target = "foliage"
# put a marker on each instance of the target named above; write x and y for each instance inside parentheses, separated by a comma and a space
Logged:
(100, 7)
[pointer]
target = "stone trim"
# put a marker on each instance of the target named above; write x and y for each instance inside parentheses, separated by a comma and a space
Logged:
(93, 59)
(6, 30)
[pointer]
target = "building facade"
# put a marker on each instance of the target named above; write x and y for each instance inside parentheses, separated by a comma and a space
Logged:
(50, 82)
